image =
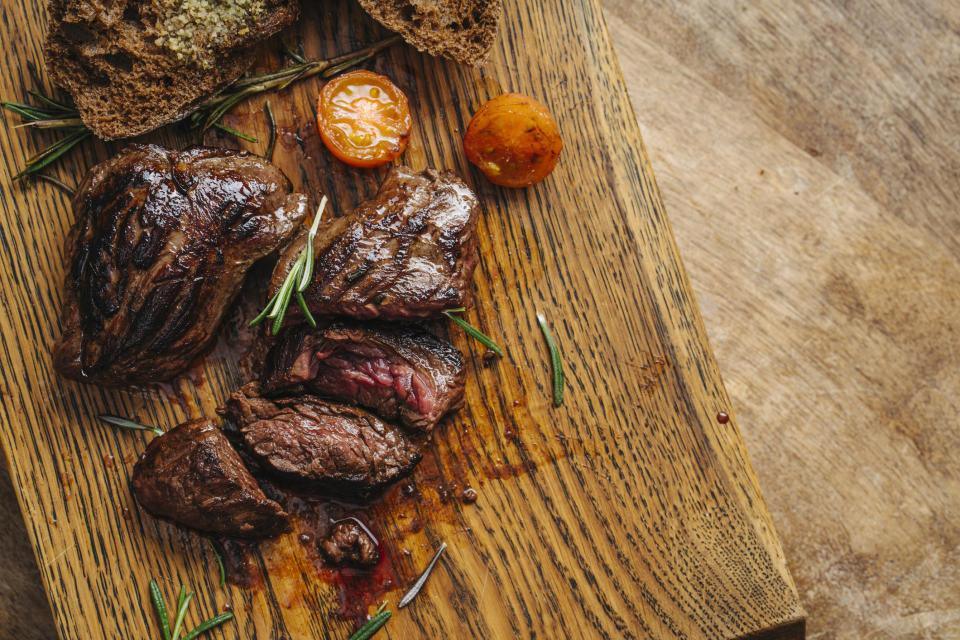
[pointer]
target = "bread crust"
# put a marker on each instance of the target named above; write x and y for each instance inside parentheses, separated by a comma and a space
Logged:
(462, 30)
(105, 54)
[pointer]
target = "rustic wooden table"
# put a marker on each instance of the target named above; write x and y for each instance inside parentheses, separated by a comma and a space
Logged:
(808, 158)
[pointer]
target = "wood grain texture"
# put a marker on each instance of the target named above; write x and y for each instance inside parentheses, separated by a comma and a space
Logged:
(809, 155)
(629, 512)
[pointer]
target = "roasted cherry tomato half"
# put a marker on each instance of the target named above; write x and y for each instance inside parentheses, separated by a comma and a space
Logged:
(514, 140)
(364, 118)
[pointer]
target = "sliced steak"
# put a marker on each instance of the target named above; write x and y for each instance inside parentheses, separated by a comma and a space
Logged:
(320, 443)
(408, 253)
(160, 247)
(350, 543)
(192, 476)
(402, 373)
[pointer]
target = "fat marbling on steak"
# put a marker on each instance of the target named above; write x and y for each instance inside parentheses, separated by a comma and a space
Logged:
(410, 252)
(320, 443)
(401, 373)
(160, 246)
(193, 476)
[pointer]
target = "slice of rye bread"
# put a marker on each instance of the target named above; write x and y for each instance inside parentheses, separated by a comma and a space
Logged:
(462, 30)
(135, 65)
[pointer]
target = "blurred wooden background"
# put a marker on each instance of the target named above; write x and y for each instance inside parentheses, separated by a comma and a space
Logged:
(809, 157)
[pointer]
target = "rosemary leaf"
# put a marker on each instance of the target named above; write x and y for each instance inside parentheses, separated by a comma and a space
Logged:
(25, 110)
(57, 183)
(308, 267)
(161, 608)
(272, 143)
(555, 364)
(306, 310)
(422, 580)
(126, 423)
(51, 102)
(371, 626)
(293, 54)
(52, 123)
(473, 332)
(44, 158)
(216, 554)
(207, 625)
(266, 310)
(232, 131)
(183, 603)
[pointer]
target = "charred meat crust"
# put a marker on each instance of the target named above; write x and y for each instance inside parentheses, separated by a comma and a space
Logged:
(408, 253)
(192, 475)
(402, 373)
(320, 443)
(160, 246)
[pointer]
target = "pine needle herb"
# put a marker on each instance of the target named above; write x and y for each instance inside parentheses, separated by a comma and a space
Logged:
(296, 282)
(472, 331)
(422, 580)
(126, 423)
(555, 364)
(183, 601)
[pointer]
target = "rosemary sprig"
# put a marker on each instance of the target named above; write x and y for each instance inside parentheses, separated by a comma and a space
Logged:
(213, 109)
(232, 131)
(297, 280)
(216, 554)
(126, 423)
(183, 601)
(422, 580)
(54, 151)
(272, 142)
(57, 116)
(371, 626)
(473, 332)
(555, 364)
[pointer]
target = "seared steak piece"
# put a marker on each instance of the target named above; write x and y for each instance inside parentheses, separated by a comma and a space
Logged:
(321, 443)
(193, 476)
(160, 246)
(408, 253)
(402, 373)
(349, 543)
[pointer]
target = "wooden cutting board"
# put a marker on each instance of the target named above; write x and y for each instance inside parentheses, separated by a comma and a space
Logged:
(630, 511)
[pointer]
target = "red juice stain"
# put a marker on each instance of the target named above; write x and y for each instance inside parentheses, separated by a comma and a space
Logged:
(723, 418)
(360, 588)
(108, 461)
(238, 565)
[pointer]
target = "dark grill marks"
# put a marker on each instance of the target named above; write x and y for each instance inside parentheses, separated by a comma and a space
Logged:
(409, 253)
(162, 241)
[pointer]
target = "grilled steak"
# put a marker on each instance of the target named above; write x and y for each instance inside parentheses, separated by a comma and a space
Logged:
(321, 443)
(160, 246)
(349, 543)
(193, 476)
(408, 253)
(403, 374)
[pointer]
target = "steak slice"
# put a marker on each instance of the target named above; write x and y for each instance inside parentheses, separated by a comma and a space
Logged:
(349, 543)
(192, 476)
(410, 252)
(402, 373)
(320, 443)
(160, 247)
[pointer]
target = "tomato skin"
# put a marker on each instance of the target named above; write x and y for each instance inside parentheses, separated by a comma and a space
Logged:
(514, 140)
(363, 118)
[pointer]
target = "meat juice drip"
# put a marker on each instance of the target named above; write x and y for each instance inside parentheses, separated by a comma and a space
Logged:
(238, 565)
